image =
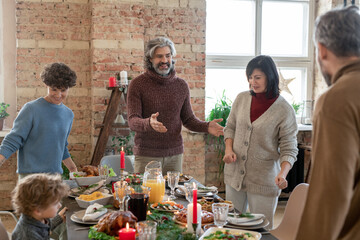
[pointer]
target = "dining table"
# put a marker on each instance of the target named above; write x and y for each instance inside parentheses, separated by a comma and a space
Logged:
(78, 231)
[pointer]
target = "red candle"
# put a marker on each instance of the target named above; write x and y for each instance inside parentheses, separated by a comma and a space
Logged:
(127, 233)
(112, 82)
(194, 204)
(122, 158)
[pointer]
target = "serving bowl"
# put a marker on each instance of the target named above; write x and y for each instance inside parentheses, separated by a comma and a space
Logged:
(82, 180)
(103, 201)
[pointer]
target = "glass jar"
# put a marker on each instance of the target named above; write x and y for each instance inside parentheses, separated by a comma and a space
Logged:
(307, 111)
(154, 179)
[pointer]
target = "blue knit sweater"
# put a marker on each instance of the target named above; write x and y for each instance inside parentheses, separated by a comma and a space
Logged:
(40, 134)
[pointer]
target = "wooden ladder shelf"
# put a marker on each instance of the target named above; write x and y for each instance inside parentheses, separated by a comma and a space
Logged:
(107, 125)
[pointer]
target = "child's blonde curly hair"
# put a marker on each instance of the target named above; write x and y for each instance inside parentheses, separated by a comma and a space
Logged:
(38, 191)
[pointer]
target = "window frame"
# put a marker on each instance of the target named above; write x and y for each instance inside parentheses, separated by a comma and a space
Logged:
(214, 61)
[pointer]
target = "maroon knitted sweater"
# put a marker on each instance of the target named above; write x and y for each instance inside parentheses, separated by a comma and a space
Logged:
(170, 96)
(259, 104)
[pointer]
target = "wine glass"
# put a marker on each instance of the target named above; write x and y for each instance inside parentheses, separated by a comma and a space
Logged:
(189, 187)
(173, 180)
(220, 211)
(103, 172)
(121, 191)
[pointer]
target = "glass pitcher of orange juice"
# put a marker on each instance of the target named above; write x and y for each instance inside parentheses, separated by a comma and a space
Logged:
(154, 179)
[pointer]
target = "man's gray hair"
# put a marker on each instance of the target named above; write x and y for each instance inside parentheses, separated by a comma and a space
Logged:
(152, 45)
(339, 31)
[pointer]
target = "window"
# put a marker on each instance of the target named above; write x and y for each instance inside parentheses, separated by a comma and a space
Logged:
(239, 30)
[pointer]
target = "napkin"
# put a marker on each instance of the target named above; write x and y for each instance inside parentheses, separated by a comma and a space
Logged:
(93, 212)
(207, 189)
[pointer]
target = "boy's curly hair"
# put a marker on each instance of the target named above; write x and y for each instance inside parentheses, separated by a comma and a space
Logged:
(38, 191)
(58, 75)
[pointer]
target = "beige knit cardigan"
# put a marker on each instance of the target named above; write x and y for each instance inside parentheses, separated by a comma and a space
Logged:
(260, 146)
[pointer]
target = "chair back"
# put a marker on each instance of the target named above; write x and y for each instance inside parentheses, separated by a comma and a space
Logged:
(3, 233)
(289, 224)
(113, 161)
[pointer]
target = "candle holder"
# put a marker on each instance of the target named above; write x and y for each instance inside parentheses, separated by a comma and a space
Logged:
(122, 173)
(196, 230)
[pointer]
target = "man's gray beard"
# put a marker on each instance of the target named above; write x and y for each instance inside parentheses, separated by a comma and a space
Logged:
(327, 77)
(164, 73)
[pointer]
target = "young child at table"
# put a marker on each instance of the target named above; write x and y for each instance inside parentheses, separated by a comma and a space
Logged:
(37, 198)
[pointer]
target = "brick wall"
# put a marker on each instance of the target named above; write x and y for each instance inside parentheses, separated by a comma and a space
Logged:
(119, 31)
(97, 38)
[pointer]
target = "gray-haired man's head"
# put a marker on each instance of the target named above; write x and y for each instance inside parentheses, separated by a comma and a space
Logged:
(158, 55)
(339, 31)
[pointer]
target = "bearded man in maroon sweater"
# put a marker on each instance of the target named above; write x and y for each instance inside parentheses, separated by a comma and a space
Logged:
(158, 105)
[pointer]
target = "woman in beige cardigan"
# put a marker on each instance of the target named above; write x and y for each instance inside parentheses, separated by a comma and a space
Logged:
(260, 142)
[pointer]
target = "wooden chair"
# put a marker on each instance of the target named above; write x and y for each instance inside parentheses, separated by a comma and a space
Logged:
(5, 235)
(289, 224)
(113, 161)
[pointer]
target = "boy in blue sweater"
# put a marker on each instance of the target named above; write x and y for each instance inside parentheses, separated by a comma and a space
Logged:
(42, 127)
(37, 198)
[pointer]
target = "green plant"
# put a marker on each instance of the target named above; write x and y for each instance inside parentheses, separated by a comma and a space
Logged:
(221, 110)
(125, 142)
(296, 107)
(3, 107)
(66, 173)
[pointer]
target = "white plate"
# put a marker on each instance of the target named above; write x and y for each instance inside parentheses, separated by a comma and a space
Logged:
(77, 217)
(264, 224)
(240, 220)
(252, 223)
(256, 235)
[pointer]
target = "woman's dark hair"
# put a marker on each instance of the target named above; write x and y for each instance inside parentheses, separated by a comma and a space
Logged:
(58, 75)
(267, 65)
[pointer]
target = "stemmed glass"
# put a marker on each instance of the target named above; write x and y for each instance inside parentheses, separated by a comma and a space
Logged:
(220, 211)
(173, 180)
(189, 187)
(103, 172)
(121, 191)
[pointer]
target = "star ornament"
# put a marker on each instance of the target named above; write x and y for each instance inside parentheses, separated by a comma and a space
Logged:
(284, 83)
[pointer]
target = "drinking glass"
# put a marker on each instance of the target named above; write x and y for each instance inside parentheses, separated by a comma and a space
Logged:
(121, 190)
(103, 172)
(146, 230)
(220, 211)
(173, 180)
(189, 187)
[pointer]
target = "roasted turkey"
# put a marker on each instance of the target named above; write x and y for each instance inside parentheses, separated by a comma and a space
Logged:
(90, 170)
(112, 222)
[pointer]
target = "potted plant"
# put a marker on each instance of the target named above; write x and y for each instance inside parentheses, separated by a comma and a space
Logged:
(3, 114)
(221, 110)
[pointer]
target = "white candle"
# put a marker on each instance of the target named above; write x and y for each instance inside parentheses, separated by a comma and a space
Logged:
(307, 121)
(123, 78)
(189, 218)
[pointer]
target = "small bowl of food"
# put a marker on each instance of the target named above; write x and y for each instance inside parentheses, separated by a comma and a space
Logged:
(88, 176)
(83, 180)
(96, 197)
